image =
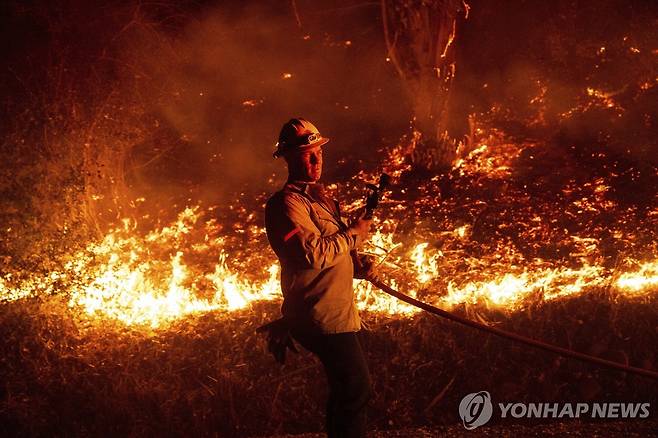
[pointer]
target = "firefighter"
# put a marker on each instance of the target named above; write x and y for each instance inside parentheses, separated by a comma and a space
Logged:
(315, 248)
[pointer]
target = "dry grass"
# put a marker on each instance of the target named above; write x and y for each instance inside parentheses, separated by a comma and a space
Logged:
(211, 375)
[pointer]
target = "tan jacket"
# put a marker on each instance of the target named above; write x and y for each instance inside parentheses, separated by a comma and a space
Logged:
(313, 245)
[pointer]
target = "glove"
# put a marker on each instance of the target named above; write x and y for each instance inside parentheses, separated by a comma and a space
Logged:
(364, 267)
(279, 339)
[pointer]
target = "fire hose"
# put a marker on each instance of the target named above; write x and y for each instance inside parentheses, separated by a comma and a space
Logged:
(565, 352)
(279, 339)
(372, 202)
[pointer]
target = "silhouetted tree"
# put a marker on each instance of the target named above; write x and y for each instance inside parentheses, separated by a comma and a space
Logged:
(420, 38)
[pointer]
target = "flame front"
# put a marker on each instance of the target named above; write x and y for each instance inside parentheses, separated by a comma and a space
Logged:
(193, 265)
(641, 280)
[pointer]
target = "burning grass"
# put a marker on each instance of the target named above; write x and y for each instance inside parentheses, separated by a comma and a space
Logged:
(487, 239)
(151, 329)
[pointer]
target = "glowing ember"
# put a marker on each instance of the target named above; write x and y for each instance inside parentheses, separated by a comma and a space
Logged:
(603, 96)
(252, 102)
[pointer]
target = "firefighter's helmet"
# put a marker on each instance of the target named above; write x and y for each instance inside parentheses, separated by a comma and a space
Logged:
(298, 134)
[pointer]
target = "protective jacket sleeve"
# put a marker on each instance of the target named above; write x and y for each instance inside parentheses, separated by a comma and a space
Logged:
(297, 238)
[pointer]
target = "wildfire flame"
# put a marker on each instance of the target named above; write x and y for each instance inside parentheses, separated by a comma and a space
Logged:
(189, 267)
(636, 282)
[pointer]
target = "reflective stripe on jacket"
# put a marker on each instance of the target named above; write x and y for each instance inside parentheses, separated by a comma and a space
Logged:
(313, 246)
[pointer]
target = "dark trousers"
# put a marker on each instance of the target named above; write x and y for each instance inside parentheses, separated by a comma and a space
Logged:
(348, 377)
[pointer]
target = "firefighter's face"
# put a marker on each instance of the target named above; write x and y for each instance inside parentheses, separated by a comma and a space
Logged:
(305, 165)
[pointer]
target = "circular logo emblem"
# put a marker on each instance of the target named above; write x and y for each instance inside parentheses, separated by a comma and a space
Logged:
(475, 409)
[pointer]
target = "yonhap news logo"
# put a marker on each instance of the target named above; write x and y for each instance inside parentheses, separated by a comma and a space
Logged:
(476, 409)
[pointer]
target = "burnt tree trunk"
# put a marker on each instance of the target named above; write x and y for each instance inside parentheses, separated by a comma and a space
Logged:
(420, 38)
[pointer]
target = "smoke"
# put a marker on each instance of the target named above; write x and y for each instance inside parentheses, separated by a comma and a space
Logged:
(223, 83)
(106, 104)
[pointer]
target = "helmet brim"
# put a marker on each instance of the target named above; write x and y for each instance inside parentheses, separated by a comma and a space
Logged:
(285, 150)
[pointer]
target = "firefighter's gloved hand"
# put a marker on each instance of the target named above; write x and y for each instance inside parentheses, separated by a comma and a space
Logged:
(364, 268)
(279, 339)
